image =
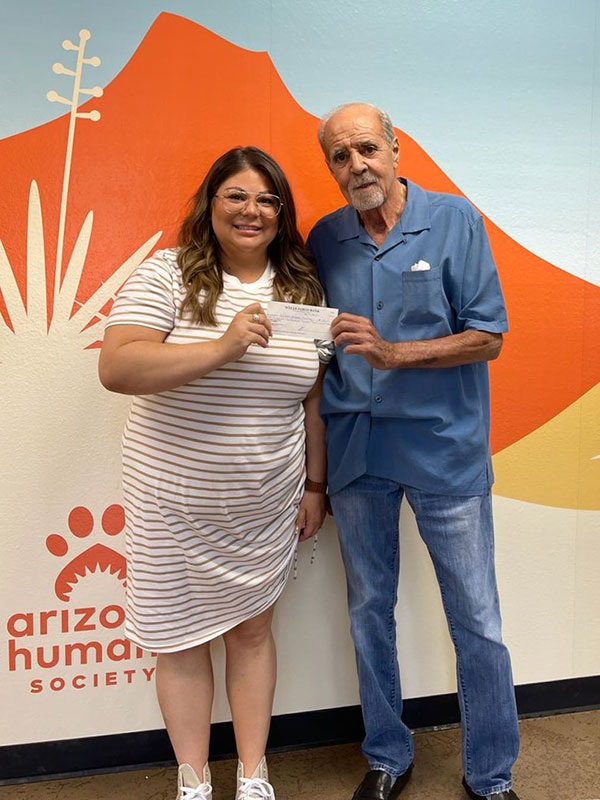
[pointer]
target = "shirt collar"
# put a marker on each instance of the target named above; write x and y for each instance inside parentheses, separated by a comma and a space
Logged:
(415, 216)
(349, 226)
(233, 281)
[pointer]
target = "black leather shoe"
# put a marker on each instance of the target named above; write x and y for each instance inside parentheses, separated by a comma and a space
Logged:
(379, 785)
(509, 795)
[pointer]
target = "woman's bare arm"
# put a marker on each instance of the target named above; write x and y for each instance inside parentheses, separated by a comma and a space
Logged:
(311, 512)
(136, 360)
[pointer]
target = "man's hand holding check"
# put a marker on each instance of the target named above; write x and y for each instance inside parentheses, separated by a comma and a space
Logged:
(359, 336)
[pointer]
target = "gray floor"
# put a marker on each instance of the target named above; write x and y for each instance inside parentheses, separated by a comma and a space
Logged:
(560, 760)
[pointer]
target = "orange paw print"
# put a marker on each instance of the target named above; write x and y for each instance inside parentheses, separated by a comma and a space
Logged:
(98, 556)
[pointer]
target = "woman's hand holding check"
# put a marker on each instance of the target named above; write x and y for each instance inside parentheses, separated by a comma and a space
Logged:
(249, 326)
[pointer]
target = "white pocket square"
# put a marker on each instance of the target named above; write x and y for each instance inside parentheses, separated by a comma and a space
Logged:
(420, 266)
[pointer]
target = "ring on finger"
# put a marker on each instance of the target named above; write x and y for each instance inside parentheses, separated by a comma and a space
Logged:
(256, 317)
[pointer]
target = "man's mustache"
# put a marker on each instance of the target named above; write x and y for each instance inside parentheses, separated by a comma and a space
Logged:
(366, 177)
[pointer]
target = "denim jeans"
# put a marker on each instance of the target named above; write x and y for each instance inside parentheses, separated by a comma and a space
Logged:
(458, 532)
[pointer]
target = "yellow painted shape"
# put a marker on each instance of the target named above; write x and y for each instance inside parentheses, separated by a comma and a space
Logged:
(557, 464)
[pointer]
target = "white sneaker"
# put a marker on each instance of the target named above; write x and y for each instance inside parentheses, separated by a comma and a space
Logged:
(189, 785)
(257, 787)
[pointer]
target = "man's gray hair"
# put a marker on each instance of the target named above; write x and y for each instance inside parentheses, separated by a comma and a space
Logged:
(385, 119)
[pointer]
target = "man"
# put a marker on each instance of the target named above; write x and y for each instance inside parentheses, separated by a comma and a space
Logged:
(406, 404)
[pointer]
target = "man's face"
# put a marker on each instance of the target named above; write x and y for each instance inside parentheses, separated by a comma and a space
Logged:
(359, 156)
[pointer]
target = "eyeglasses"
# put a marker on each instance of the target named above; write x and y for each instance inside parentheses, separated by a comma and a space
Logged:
(234, 200)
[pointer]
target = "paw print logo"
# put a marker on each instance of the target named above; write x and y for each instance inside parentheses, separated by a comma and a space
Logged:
(98, 556)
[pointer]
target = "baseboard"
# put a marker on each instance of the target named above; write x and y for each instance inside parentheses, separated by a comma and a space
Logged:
(69, 757)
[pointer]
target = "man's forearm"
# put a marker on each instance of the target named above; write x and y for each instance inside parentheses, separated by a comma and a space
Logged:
(448, 351)
(358, 335)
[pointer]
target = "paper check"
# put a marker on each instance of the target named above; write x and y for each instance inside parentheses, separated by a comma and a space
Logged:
(305, 322)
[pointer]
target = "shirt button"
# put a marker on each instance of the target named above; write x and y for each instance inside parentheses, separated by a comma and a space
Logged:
(378, 398)
(377, 258)
(380, 305)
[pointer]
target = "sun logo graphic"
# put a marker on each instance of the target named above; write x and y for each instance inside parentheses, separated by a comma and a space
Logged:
(96, 557)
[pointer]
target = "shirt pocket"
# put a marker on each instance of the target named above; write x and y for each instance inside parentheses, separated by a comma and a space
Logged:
(422, 297)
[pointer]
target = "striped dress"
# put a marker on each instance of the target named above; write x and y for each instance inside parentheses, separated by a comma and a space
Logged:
(213, 471)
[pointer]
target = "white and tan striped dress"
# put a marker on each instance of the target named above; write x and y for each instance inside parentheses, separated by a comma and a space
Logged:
(212, 471)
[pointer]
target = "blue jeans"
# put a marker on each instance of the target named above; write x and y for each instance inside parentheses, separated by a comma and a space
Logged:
(458, 532)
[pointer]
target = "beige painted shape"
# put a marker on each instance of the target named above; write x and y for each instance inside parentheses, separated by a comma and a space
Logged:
(535, 565)
(558, 464)
(586, 638)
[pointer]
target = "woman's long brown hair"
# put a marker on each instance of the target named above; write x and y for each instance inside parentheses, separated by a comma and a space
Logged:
(295, 278)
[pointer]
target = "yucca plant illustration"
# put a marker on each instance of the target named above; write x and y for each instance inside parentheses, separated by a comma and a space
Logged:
(59, 430)
(33, 317)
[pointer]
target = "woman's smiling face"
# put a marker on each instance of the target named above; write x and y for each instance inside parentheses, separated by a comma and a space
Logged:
(246, 231)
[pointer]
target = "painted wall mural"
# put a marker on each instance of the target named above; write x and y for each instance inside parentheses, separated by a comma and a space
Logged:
(87, 197)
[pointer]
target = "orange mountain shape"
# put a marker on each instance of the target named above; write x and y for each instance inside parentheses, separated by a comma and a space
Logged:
(188, 95)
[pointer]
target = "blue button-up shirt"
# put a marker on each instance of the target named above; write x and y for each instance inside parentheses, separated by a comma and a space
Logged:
(433, 276)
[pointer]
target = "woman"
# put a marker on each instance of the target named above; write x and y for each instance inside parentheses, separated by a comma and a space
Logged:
(222, 433)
